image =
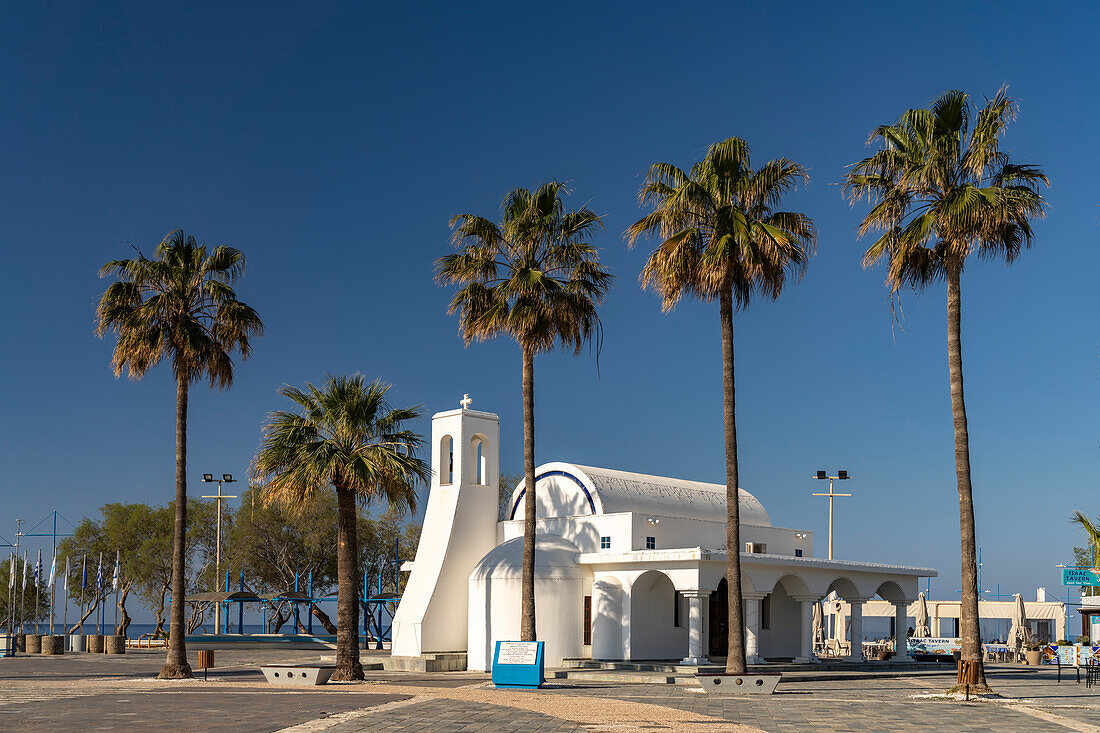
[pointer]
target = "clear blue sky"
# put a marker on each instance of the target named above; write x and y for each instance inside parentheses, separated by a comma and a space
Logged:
(332, 143)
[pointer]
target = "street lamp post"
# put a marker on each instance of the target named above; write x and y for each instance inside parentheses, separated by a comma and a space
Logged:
(220, 497)
(840, 476)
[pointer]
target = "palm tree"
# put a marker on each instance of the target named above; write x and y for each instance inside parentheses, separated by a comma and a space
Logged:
(941, 192)
(535, 277)
(179, 305)
(1093, 532)
(345, 435)
(722, 240)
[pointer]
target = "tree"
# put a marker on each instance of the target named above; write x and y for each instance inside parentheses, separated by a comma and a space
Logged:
(722, 240)
(179, 306)
(345, 435)
(506, 484)
(942, 192)
(1089, 555)
(19, 604)
(535, 277)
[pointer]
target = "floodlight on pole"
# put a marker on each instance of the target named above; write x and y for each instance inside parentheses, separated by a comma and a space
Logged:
(840, 476)
(220, 497)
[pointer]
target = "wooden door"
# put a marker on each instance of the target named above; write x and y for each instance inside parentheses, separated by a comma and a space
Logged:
(718, 645)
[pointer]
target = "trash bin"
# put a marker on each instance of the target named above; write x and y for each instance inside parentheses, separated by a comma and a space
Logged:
(76, 642)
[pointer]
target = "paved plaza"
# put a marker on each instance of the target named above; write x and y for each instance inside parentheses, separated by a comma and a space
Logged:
(98, 693)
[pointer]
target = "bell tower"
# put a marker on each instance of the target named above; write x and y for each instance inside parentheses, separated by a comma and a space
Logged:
(460, 527)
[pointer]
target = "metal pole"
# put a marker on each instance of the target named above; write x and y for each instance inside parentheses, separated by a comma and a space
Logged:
(37, 589)
(65, 586)
(309, 590)
(830, 519)
(240, 607)
(218, 559)
(83, 582)
(23, 597)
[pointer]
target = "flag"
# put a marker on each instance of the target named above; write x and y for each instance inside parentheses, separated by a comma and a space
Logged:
(38, 570)
(11, 571)
(53, 569)
(24, 570)
(65, 581)
(114, 580)
(99, 573)
(84, 576)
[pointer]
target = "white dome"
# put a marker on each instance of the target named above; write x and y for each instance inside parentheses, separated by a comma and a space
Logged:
(555, 558)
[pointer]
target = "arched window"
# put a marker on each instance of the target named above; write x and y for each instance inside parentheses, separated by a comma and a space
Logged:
(481, 464)
(446, 460)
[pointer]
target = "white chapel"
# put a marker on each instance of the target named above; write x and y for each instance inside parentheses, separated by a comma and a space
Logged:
(627, 566)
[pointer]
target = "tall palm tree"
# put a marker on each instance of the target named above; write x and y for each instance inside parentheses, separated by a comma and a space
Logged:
(942, 191)
(1093, 532)
(347, 436)
(535, 277)
(721, 239)
(178, 305)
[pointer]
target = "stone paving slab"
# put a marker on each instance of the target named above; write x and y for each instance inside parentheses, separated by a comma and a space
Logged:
(453, 716)
(171, 711)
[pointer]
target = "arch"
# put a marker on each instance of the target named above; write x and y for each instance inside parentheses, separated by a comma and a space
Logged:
(523, 491)
(479, 465)
(607, 618)
(844, 588)
(653, 633)
(446, 460)
(793, 584)
(891, 591)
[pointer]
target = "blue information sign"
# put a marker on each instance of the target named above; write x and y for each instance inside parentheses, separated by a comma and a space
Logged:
(518, 664)
(1080, 576)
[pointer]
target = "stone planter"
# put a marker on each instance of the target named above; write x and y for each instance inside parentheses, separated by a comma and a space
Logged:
(739, 684)
(53, 645)
(76, 642)
(20, 642)
(115, 644)
(1034, 657)
(95, 643)
(34, 643)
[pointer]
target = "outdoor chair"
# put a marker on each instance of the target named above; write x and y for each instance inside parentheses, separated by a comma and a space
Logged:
(1092, 673)
(1077, 668)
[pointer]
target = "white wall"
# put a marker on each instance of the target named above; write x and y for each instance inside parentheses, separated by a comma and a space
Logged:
(783, 638)
(496, 617)
(459, 529)
(652, 613)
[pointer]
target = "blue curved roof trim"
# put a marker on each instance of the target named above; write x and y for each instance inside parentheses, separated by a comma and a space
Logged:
(574, 479)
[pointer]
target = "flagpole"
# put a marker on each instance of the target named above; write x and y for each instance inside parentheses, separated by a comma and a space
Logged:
(65, 587)
(37, 589)
(23, 598)
(53, 569)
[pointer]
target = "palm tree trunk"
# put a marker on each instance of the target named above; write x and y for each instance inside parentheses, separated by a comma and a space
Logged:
(348, 666)
(176, 665)
(968, 624)
(527, 587)
(735, 656)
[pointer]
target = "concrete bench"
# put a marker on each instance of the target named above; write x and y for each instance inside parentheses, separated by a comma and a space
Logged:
(305, 675)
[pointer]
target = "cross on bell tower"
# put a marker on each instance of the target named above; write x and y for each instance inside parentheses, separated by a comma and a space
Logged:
(465, 402)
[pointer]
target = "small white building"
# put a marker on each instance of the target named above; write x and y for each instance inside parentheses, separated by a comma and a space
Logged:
(628, 566)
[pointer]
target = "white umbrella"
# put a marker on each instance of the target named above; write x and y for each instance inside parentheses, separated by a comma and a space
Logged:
(1020, 633)
(922, 628)
(818, 627)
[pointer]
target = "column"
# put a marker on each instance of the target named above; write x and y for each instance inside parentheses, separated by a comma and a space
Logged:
(855, 629)
(750, 602)
(696, 654)
(806, 628)
(901, 626)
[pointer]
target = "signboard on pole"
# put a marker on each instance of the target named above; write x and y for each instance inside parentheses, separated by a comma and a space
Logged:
(1080, 576)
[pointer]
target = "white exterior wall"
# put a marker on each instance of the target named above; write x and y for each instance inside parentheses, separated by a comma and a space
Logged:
(459, 529)
(558, 618)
